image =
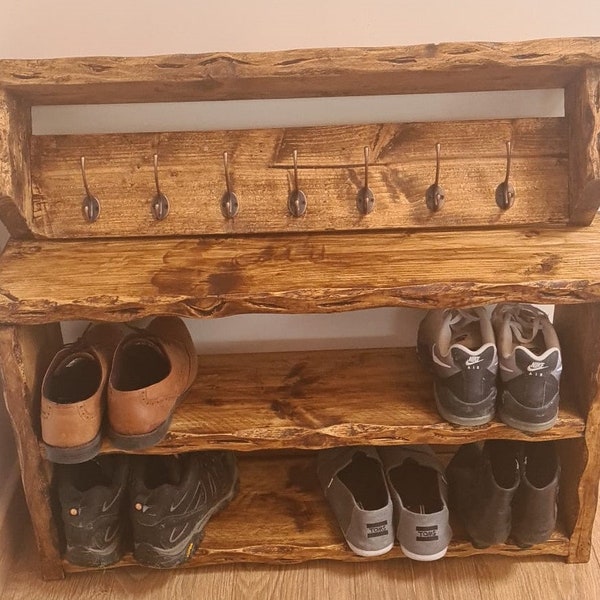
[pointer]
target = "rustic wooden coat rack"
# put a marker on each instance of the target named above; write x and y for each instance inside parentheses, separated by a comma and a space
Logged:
(152, 224)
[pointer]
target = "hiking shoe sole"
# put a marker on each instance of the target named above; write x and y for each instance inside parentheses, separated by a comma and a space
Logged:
(167, 558)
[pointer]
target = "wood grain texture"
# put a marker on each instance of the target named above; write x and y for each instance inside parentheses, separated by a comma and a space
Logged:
(582, 107)
(45, 281)
(26, 353)
(450, 67)
(321, 399)
(120, 172)
(281, 516)
(15, 176)
(578, 329)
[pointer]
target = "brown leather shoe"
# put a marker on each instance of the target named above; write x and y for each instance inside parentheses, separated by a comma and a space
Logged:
(152, 371)
(73, 395)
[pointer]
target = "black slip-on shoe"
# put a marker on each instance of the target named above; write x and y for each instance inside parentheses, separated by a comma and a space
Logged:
(482, 481)
(535, 505)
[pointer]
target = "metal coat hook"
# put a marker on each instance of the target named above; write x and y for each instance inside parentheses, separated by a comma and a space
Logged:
(160, 203)
(435, 195)
(297, 198)
(505, 192)
(365, 201)
(90, 205)
(229, 201)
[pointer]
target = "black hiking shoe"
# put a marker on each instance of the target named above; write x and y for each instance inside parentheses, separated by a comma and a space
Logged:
(172, 499)
(92, 497)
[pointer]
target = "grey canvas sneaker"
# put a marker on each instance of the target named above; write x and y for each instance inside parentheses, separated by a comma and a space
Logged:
(459, 348)
(530, 367)
(418, 489)
(354, 484)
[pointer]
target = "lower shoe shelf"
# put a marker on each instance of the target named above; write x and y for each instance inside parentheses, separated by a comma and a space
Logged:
(281, 516)
(313, 400)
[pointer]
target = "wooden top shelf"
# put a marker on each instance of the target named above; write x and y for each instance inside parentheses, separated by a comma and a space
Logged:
(281, 516)
(449, 67)
(47, 281)
(314, 400)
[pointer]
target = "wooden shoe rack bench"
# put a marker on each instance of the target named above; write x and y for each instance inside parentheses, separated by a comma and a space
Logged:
(61, 264)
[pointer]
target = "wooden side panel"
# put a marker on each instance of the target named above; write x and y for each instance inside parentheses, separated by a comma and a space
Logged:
(26, 353)
(15, 175)
(121, 280)
(120, 173)
(582, 107)
(578, 327)
(450, 67)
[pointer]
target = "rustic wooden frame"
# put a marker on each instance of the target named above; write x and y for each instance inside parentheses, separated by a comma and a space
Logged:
(552, 260)
(564, 63)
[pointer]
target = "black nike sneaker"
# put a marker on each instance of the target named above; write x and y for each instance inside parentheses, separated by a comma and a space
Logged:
(530, 367)
(459, 348)
(93, 499)
(172, 499)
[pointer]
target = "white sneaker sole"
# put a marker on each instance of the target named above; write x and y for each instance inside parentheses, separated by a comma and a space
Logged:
(369, 553)
(424, 557)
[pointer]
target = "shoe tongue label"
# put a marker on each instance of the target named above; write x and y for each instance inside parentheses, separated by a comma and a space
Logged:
(377, 529)
(427, 534)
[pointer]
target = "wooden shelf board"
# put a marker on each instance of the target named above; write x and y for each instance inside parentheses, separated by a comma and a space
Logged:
(448, 67)
(119, 280)
(281, 516)
(313, 400)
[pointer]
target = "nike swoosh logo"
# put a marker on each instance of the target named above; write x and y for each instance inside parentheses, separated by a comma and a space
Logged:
(534, 368)
(473, 360)
(174, 537)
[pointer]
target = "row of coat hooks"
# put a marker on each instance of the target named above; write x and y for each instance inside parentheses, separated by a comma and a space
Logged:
(297, 202)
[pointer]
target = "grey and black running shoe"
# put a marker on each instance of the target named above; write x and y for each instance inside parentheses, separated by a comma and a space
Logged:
(172, 499)
(458, 347)
(92, 497)
(530, 366)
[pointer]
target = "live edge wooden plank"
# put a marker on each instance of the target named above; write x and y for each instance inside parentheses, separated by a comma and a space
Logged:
(281, 516)
(313, 400)
(582, 107)
(26, 353)
(45, 281)
(119, 168)
(449, 67)
(15, 175)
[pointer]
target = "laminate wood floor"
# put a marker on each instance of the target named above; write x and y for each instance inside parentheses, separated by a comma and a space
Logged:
(453, 578)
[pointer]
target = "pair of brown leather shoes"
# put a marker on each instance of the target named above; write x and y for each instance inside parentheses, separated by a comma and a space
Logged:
(137, 376)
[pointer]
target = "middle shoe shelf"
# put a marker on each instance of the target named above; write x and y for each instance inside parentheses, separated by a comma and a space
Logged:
(308, 400)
